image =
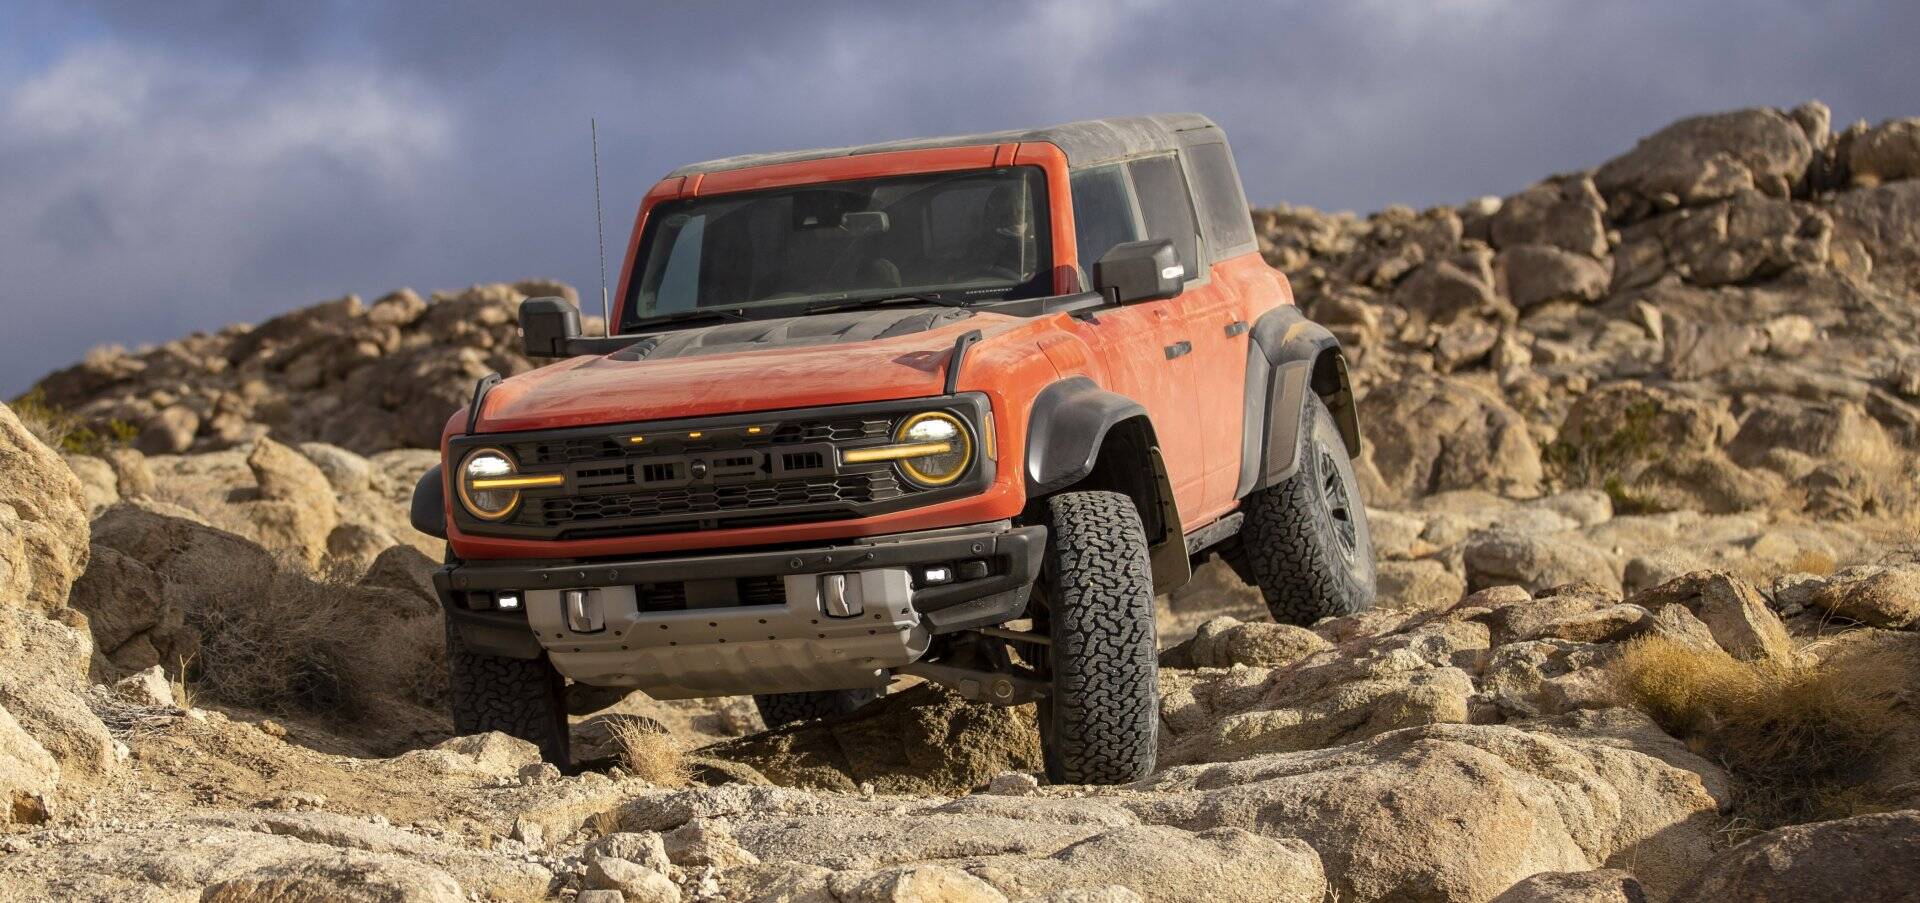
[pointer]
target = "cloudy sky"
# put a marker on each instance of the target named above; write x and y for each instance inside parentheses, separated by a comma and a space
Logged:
(167, 167)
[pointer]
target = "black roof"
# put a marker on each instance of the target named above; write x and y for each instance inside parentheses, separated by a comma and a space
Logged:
(1085, 143)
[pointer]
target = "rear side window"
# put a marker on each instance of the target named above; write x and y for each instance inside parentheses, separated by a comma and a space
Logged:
(1223, 206)
(1166, 206)
(1102, 213)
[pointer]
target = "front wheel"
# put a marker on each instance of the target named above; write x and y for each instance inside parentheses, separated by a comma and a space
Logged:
(1101, 723)
(523, 698)
(1306, 537)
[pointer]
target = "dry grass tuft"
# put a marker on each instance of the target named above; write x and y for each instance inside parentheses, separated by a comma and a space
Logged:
(291, 645)
(1813, 561)
(1805, 741)
(652, 756)
(62, 430)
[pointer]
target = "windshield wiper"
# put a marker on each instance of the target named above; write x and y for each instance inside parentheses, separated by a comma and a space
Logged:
(682, 316)
(939, 298)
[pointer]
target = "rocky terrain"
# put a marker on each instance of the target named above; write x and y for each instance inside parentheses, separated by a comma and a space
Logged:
(1643, 484)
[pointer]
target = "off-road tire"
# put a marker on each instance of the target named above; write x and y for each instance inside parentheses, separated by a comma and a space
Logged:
(782, 709)
(1100, 725)
(524, 698)
(1305, 538)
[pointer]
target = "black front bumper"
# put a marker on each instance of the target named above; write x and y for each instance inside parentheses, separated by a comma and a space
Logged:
(1013, 555)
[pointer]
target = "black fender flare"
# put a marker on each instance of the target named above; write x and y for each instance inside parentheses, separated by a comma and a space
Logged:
(1067, 432)
(1069, 421)
(429, 510)
(1288, 356)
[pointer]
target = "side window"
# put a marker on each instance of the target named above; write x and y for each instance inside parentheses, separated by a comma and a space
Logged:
(1166, 206)
(1102, 213)
(1223, 205)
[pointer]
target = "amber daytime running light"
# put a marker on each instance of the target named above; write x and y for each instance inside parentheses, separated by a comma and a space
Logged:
(931, 449)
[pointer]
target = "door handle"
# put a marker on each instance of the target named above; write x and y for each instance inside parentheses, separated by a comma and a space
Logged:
(1178, 348)
(1236, 328)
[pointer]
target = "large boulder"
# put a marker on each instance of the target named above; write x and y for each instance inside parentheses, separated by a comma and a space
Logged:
(1887, 152)
(1462, 812)
(1885, 223)
(1646, 421)
(1733, 611)
(1867, 857)
(1874, 595)
(1534, 562)
(43, 521)
(1535, 274)
(1448, 289)
(1706, 158)
(296, 509)
(50, 740)
(1564, 213)
(1467, 439)
(1366, 688)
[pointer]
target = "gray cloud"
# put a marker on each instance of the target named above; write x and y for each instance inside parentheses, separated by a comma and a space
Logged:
(169, 167)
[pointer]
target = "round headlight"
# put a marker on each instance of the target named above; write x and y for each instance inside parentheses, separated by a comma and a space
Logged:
(935, 429)
(481, 466)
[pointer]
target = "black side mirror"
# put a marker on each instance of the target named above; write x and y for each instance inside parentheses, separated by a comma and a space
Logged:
(1138, 271)
(548, 326)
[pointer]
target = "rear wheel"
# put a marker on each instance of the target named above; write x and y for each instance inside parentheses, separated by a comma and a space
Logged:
(1306, 538)
(782, 709)
(524, 698)
(1100, 725)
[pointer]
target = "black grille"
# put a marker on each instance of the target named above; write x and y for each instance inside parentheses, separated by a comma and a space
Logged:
(709, 500)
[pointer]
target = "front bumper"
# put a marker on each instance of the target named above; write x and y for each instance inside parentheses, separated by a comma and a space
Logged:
(715, 643)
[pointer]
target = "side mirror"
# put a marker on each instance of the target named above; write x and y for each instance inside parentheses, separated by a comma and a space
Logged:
(1138, 271)
(548, 326)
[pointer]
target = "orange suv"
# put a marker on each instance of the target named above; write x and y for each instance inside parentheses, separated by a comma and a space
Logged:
(953, 408)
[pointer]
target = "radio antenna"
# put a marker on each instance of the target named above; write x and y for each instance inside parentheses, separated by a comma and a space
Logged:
(600, 229)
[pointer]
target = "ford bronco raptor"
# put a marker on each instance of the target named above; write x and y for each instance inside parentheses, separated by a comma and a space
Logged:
(953, 408)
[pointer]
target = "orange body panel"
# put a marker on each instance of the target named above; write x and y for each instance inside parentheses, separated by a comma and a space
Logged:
(1195, 399)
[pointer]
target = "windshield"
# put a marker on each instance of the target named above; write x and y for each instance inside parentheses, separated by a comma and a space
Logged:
(979, 233)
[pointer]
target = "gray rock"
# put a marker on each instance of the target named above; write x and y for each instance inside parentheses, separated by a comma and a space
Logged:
(1875, 595)
(1536, 562)
(1733, 611)
(1535, 274)
(1563, 213)
(1867, 857)
(1598, 886)
(1887, 152)
(1705, 158)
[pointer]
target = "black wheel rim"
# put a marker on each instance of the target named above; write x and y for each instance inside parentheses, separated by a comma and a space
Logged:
(1333, 489)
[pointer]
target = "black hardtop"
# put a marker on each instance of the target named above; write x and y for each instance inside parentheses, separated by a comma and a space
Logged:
(1086, 143)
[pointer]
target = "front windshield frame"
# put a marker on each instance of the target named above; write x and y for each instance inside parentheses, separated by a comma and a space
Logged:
(638, 310)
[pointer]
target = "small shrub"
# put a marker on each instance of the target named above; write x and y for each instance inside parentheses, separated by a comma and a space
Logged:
(1805, 741)
(1611, 462)
(292, 645)
(652, 756)
(63, 430)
